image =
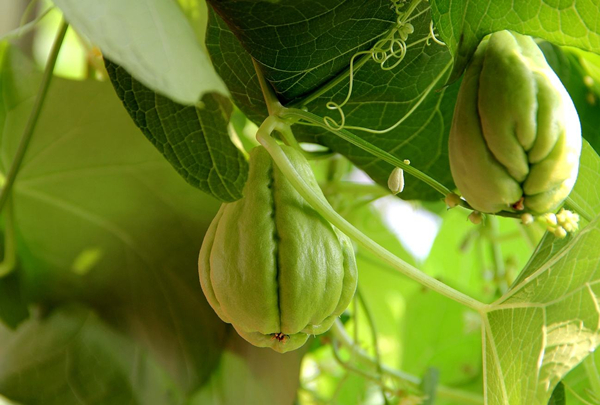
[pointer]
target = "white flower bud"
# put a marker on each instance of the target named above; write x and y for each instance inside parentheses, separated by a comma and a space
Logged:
(396, 181)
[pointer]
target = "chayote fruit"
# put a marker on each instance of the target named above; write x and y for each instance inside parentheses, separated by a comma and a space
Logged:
(515, 139)
(271, 265)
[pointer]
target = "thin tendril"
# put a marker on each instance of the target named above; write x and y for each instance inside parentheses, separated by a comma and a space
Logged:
(432, 35)
(392, 46)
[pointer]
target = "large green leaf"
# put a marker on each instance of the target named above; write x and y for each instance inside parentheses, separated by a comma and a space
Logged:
(462, 23)
(449, 339)
(234, 65)
(194, 139)
(379, 99)
(301, 44)
(101, 217)
(151, 39)
(585, 197)
(72, 357)
(545, 324)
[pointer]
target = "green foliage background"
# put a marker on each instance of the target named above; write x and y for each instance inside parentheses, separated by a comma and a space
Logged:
(104, 305)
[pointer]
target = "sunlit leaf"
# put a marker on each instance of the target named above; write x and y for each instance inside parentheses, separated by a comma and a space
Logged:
(152, 40)
(462, 23)
(545, 324)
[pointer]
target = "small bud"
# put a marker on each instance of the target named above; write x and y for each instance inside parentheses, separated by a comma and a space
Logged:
(452, 200)
(396, 181)
(550, 219)
(406, 30)
(526, 219)
(406, 161)
(475, 217)
(568, 220)
(560, 232)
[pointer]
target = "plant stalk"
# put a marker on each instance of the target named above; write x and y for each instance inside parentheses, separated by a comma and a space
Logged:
(34, 115)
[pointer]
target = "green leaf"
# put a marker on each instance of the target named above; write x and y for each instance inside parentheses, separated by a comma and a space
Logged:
(152, 40)
(193, 139)
(463, 23)
(102, 218)
(558, 395)
(301, 44)
(72, 357)
(574, 68)
(440, 333)
(385, 291)
(251, 375)
(234, 65)
(585, 197)
(13, 306)
(379, 98)
(545, 324)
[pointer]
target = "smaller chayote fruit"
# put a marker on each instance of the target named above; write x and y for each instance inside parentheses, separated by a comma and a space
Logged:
(271, 265)
(515, 139)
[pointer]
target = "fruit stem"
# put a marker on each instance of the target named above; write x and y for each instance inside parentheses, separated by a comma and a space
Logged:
(322, 206)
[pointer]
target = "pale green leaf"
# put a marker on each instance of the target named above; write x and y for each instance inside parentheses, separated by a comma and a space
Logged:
(102, 218)
(152, 40)
(72, 357)
(545, 324)
(443, 334)
(251, 375)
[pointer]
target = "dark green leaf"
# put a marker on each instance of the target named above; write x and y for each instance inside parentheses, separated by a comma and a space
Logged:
(13, 306)
(72, 357)
(569, 66)
(301, 44)
(234, 65)
(193, 139)
(558, 395)
(379, 99)
(463, 23)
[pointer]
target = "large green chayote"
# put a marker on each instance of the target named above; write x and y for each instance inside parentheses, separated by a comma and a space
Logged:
(515, 139)
(271, 265)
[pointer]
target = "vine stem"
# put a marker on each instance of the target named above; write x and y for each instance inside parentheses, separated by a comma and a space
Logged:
(293, 115)
(322, 206)
(462, 397)
(496, 250)
(34, 115)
